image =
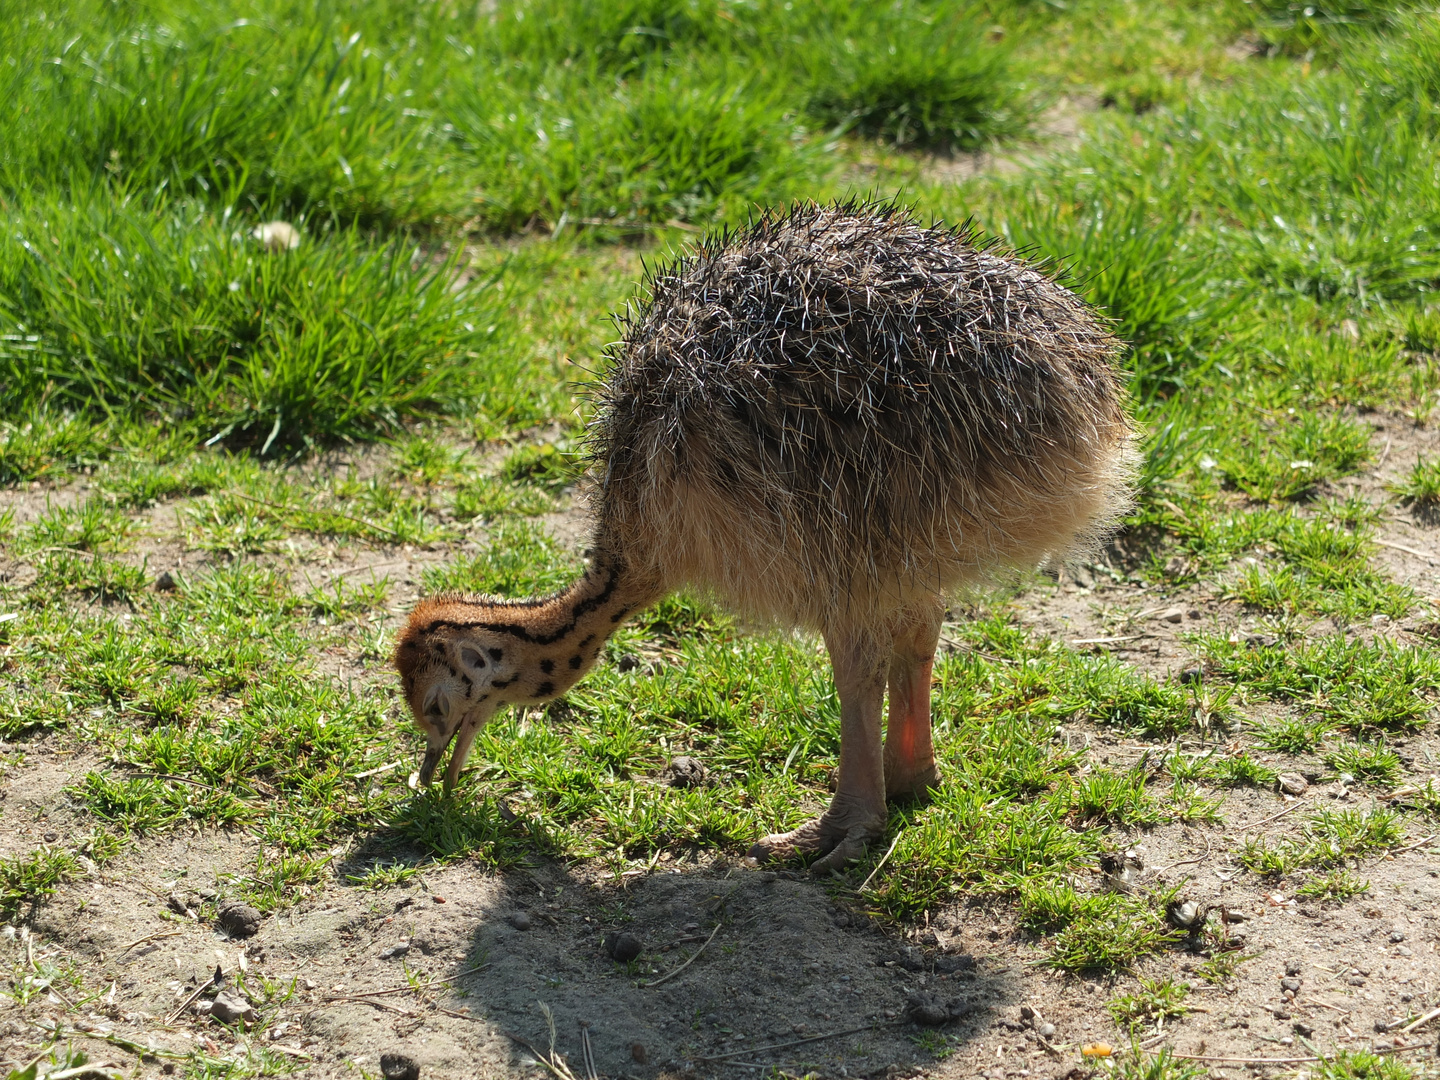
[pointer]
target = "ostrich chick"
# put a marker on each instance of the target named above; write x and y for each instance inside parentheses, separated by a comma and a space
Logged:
(829, 419)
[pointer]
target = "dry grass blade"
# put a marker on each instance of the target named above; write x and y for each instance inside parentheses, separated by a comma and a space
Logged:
(190, 1000)
(693, 957)
(1431, 1015)
(791, 1043)
(152, 937)
(403, 989)
(587, 1055)
(883, 860)
(1274, 817)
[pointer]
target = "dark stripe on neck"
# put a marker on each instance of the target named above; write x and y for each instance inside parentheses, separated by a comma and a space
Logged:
(513, 630)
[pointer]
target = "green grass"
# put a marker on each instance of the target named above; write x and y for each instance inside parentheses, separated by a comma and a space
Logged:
(1161, 1066)
(476, 189)
(1422, 487)
(1336, 885)
(1363, 1065)
(1329, 839)
(1156, 1001)
(173, 311)
(1093, 932)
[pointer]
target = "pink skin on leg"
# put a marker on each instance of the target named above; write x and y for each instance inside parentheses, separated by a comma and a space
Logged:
(910, 769)
(857, 813)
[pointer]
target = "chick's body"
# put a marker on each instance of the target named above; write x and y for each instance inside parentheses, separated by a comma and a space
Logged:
(838, 413)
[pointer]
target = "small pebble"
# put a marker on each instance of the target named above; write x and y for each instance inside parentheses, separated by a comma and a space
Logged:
(638, 1054)
(395, 951)
(1290, 983)
(239, 920)
(165, 582)
(399, 1067)
(1046, 1031)
(1397, 935)
(622, 947)
(228, 1008)
(520, 920)
(1302, 1029)
(438, 899)
(1292, 967)
(1191, 675)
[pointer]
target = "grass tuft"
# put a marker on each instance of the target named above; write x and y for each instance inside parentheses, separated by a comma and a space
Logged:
(1156, 1001)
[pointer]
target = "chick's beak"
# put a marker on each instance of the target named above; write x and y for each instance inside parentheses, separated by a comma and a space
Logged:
(433, 753)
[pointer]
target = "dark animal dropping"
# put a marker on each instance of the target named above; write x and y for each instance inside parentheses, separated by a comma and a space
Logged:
(622, 947)
(399, 1067)
(685, 772)
(239, 920)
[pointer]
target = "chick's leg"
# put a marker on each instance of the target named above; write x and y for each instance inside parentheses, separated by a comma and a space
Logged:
(910, 769)
(857, 813)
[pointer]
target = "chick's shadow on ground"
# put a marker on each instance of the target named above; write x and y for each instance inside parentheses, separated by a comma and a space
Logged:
(784, 961)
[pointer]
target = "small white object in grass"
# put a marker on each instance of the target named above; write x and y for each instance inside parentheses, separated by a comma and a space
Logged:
(234, 286)
(277, 236)
(8, 616)
(1302, 464)
(1208, 462)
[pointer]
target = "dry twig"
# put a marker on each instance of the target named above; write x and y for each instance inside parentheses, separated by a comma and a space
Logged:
(1429, 556)
(152, 937)
(787, 1045)
(1431, 1015)
(1274, 817)
(191, 999)
(587, 1056)
(693, 957)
